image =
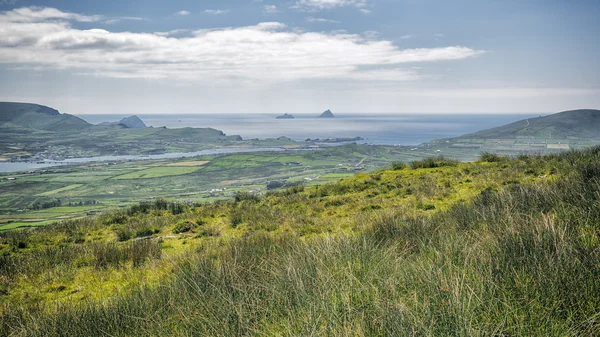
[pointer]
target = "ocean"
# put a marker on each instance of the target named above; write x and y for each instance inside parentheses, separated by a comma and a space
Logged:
(381, 129)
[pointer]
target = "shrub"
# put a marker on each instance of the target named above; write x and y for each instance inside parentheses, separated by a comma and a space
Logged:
(106, 254)
(371, 208)
(176, 208)
(123, 233)
(210, 231)
(398, 166)
(425, 206)
(161, 204)
(433, 163)
(184, 226)
(242, 196)
(489, 157)
(140, 251)
(236, 218)
(144, 232)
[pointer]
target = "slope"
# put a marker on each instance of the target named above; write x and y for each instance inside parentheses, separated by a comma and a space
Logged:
(496, 247)
(573, 123)
(34, 116)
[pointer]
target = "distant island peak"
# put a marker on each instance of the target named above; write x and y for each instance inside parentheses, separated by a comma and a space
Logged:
(327, 114)
(285, 116)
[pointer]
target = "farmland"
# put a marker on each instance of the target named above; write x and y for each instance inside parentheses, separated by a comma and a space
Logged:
(87, 189)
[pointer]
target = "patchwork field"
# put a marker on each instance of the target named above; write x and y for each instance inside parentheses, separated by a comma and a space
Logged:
(86, 189)
(157, 172)
(190, 163)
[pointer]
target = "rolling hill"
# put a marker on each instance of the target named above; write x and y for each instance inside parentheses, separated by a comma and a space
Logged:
(567, 130)
(29, 129)
(35, 116)
(583, 123)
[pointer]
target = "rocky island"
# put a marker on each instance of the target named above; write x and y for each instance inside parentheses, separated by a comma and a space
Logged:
(327, 114)
(285, 116)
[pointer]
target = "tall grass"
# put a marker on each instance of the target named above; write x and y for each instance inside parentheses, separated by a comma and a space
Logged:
(523, 260)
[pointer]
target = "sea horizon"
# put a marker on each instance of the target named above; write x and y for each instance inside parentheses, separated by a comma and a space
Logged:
(378, 129)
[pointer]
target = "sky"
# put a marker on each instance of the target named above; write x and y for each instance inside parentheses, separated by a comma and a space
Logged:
(301, 56)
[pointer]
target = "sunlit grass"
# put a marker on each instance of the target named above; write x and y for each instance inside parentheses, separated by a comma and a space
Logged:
(495, 247)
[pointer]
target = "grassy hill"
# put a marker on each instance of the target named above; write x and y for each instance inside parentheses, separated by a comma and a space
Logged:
(28, 129)
(567, 130)
(574, 123)
(495, 247)
(34, 116)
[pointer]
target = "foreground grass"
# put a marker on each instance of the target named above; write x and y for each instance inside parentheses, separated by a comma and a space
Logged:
(519, 257)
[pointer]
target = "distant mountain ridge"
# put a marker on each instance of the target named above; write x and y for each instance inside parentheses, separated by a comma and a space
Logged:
(31, 129)
(582, 123)
(35, 116)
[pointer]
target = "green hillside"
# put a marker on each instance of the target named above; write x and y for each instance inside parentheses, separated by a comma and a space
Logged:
(567, 130)
(497, 247)
(34, 116)
(29, 129)
(563, 125)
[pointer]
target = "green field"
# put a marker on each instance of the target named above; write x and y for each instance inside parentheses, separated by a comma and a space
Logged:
(59, 190)
(157, 172)
(219, 177)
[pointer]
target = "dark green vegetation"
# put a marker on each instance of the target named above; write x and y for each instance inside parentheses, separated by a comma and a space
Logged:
(575, 129)
(99, 186)
(498, 247)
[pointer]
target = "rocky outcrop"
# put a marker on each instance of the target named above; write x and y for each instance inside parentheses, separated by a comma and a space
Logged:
(285, 116)
(327, 114)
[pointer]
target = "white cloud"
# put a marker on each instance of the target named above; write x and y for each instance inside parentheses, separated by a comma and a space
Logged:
(270, 9)
(365, 11)
(182, 13)
(122, 18)
(216, 11)
(328, 4)
(173, 32)
(39, 14)
(406, 37)
(268, 52)
(320, 20)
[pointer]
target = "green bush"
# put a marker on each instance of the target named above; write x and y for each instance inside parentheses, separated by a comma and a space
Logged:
(209, 231)
(123, 233)
(245, 196)
(491, 158)
(184, 226)
(433, 163)
(140, 251)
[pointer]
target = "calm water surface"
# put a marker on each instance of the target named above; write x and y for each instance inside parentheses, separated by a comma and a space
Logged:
(382, 129)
